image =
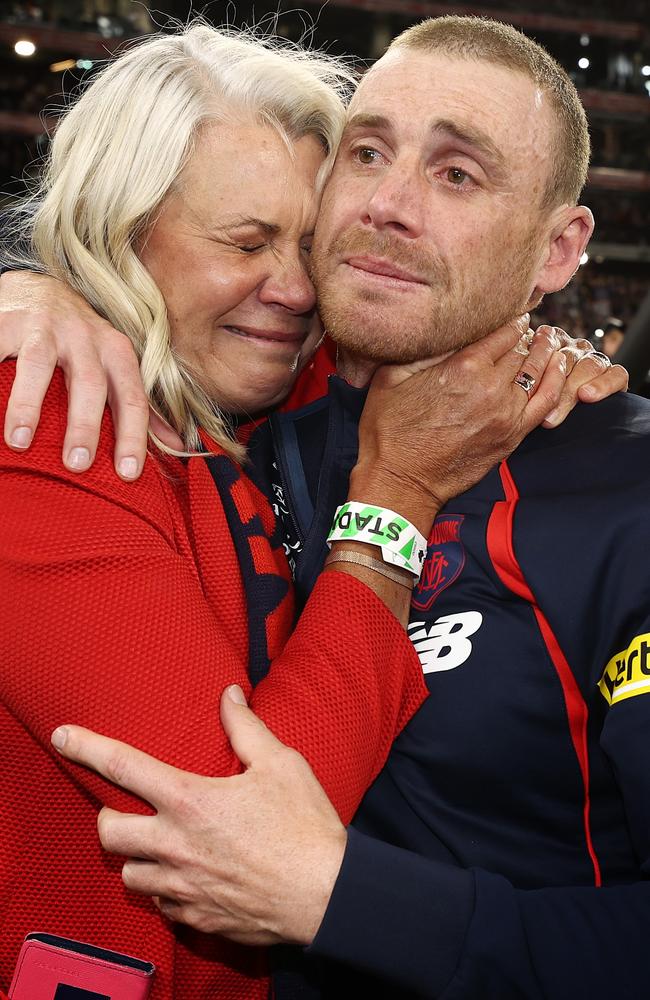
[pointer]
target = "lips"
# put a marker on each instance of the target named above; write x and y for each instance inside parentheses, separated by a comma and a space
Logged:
(384, 268)
(272, 336)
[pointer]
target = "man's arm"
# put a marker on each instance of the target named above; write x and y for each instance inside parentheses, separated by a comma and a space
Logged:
(427, 927)
(455, 934)
(44, 323)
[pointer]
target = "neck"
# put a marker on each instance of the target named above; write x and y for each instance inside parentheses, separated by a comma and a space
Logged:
(358, 370)
(354, 368)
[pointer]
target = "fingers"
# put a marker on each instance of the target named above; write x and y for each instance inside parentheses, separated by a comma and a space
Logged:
(45, 323)
(86, 401)
(579, 346)
(145, 877)
(249, 737)
(120, 763)
(130, 408)
(499, 344)
(590, 381)
(547, 393)
(102, 368)
(164, 432)
(604, 382)
(35, 366)
(129, 834)
(542, 347)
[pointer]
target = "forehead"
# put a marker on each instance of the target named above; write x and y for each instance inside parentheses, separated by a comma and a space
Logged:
(249, 169)
(415, 89)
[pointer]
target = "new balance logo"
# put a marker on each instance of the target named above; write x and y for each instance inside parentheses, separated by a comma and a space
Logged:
(444, 644)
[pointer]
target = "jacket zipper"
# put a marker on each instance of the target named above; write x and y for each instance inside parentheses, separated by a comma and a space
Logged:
(285, 482)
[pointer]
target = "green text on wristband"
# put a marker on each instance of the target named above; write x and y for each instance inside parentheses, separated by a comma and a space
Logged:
(399, 541)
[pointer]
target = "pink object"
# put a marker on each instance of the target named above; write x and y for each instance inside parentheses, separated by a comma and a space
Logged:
(56, 968)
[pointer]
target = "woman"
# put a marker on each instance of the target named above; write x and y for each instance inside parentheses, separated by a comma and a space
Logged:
(180, 199)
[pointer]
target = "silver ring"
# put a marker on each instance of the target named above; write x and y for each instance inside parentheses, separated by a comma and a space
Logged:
(526, 381)
(601, 357)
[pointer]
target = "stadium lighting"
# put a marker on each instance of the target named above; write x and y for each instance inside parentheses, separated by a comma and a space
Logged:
(583, 63)
(84, 64)
(584, 40)
(599, 333)
(645, 70)
(23, 47)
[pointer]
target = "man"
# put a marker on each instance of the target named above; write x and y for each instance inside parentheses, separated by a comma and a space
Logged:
(521, 785)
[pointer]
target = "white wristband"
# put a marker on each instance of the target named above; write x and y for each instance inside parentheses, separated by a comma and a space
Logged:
(399, 541)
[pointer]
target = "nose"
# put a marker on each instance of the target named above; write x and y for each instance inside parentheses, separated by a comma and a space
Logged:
(289, 286)
(397, 201)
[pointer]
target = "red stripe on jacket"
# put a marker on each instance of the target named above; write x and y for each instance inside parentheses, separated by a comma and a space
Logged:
(500, 543)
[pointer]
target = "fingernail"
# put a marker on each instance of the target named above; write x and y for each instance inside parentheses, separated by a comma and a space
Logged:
(78, 459)
(59, 737)
(21, 437)
(236, 694)
(128, 467)
(552, 417)
(588, 391)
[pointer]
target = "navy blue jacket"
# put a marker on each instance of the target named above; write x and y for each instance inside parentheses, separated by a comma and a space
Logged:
(504, 850)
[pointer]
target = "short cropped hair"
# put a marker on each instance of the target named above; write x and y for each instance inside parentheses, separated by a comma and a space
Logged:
(119, 150)
(492, 41)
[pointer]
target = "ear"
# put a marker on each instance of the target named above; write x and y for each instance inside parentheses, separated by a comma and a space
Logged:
(569, 235)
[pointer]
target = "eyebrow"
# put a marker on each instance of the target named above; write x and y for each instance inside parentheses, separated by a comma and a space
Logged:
(367, 121)
(239, 221)
(469, 135)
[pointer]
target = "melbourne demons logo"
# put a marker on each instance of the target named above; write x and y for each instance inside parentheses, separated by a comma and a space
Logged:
(444, 562)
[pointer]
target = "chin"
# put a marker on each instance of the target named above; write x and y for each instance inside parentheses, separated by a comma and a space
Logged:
(262, 399)
(380, 341)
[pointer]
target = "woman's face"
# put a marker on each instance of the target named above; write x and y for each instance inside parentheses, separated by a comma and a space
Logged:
(229, 252)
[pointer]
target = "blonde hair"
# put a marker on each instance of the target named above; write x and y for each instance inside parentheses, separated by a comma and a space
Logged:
(495, 42)
(119, 150)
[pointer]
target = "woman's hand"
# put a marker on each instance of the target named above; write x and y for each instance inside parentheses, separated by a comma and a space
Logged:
(432, 429)
(590, 375)
(45, 324)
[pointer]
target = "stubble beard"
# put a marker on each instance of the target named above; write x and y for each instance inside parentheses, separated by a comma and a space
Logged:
(384, 327)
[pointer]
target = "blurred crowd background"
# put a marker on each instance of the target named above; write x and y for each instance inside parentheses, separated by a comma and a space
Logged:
(47, 48)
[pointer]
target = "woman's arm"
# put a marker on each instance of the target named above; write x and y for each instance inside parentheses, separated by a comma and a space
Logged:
(44, 323)
(108, 619)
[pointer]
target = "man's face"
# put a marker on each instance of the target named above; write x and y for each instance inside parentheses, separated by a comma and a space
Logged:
(430, 233)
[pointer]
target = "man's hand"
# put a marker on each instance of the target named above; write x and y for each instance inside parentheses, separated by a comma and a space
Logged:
(253, 857)
(44, 323)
